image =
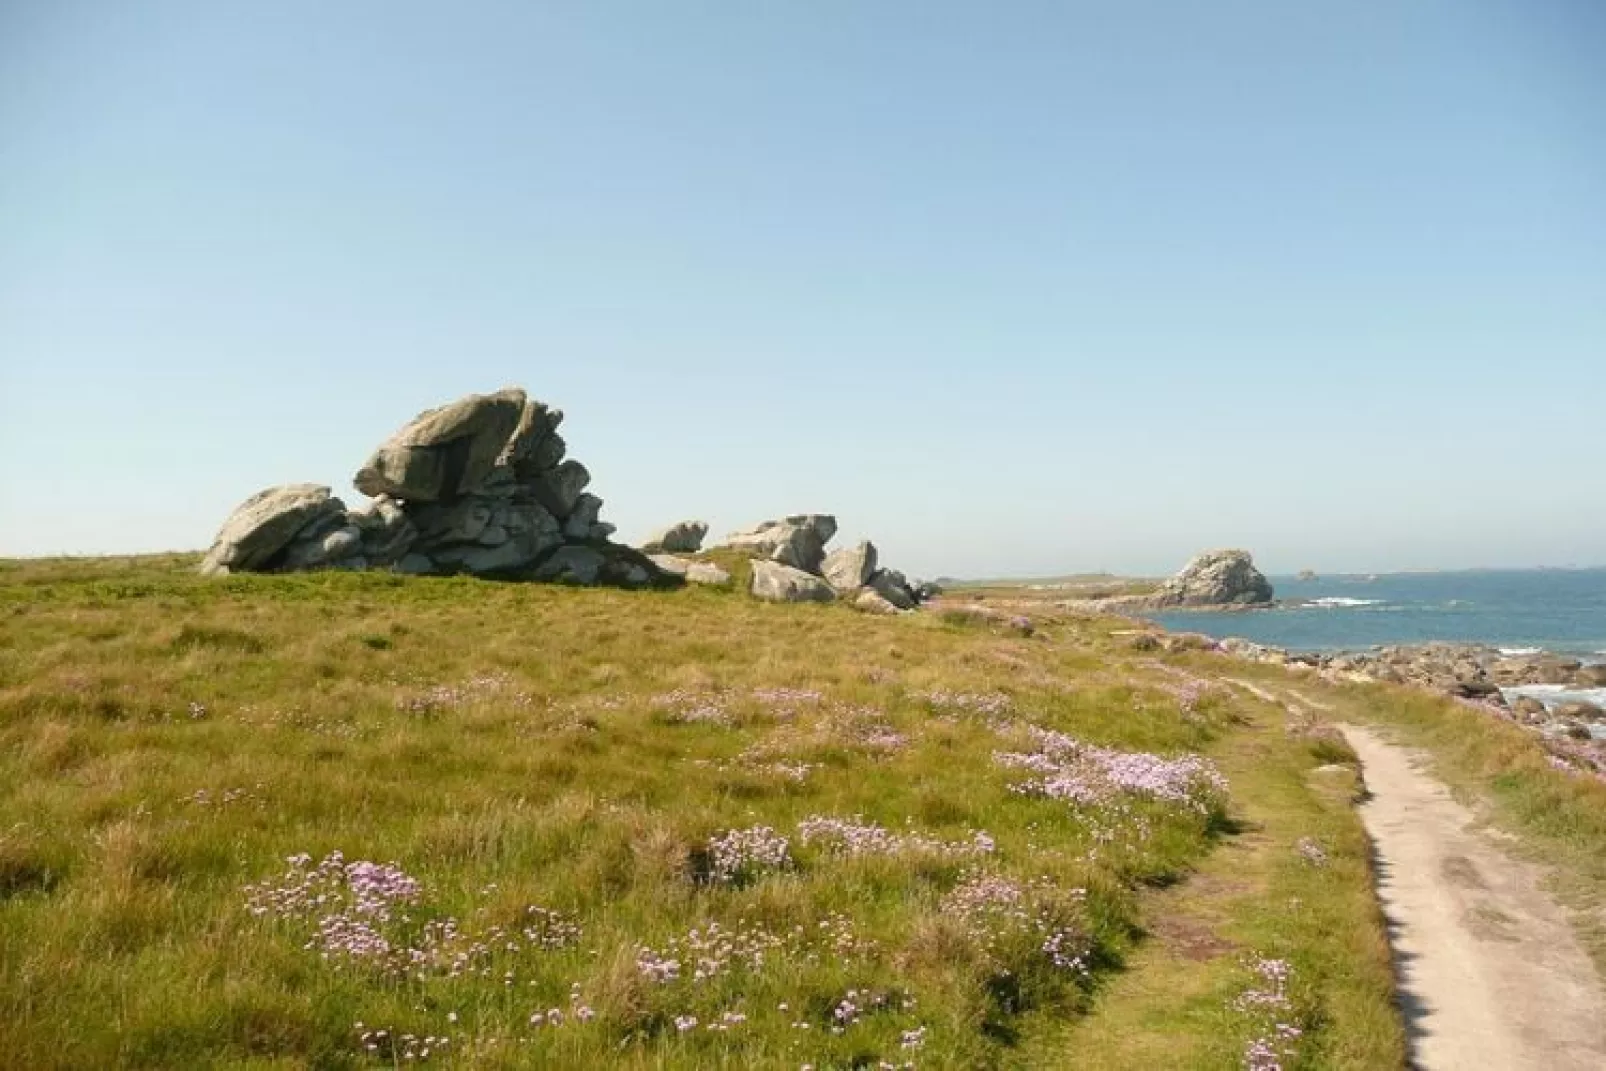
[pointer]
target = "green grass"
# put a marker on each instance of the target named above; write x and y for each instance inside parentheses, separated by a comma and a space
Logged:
(167, 741)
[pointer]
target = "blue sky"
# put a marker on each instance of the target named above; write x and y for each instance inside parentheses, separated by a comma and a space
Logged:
(1024, 288)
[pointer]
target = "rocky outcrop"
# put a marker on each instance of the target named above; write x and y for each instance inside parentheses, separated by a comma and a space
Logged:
(794, 547)
(685, 537)
(798, 540)
(775, 582)
(478, 486)
(1216, 578)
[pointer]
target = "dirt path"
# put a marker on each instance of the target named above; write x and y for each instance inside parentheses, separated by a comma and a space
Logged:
(1490, 974)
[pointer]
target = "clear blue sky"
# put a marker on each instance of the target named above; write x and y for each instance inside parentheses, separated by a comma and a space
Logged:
(1010, 288)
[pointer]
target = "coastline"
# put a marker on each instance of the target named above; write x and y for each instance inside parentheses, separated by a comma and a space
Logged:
(1560, 700)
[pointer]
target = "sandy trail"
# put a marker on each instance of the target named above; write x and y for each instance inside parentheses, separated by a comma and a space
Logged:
(1490, 973)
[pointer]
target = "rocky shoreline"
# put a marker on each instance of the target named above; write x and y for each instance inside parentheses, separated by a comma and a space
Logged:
(1535, 690)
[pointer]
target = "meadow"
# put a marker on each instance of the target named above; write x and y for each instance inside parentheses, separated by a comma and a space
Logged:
(358, 820)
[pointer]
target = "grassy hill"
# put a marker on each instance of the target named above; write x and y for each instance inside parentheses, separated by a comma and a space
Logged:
(337, 820)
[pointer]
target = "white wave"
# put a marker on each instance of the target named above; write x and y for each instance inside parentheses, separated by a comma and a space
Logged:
(1514, 652)
(1552, 694)
(1340, 602)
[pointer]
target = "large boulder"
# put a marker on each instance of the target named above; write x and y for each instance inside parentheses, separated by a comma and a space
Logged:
(444, 452)
(775, 582)
(265, 524)
(1216, 578)
(850, 568)
(684, 537)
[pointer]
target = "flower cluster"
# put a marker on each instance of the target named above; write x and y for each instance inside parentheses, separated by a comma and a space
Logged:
(990, 705)
(709, 951)
(768, 759)
(990, 906)
(202, 797)
(361, 888)
(356, 915)
(685, 707)
(712, 950)
(400, 1048)
(740, 855)
(439, 697)
(445, 950)
(787, 701)
(1087, 775)
(1311, 851)
(857, 1003)
(842, 938)
(579, 1011)
(864, 727)
(854, 836)
(1267, 1002)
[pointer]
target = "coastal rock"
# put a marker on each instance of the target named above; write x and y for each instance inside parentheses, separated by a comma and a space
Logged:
(1579, 708)
(441, 453)
(264, 524)
(850, 568)
(684, 537)
(1528, 707)
(775, 582)
(1216, 578)
(1590, 676)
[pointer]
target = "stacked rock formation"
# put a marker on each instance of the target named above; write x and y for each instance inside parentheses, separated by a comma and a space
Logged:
(790, 564)
(479, 486)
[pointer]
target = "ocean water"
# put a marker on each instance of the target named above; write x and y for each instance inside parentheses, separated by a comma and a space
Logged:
(1559, 610)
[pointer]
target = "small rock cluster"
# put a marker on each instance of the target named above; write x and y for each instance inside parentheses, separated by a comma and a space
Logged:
(790, 564)
(479, 486)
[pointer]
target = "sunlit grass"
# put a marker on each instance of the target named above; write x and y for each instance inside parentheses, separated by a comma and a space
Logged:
(168, 742)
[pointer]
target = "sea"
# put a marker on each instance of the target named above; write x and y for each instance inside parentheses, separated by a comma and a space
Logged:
(1520, 611)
